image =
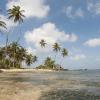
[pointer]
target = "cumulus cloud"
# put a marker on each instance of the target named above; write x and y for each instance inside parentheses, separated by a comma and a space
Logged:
(9, 23)
(93, 42)
(74, 13)
(94, 7)
(78, 57)
(50, 33)
(33, 8)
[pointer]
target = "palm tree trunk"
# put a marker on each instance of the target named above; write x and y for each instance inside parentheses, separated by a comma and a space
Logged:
(61, 61)
(55, 57)
(6, 51)
(14, 60)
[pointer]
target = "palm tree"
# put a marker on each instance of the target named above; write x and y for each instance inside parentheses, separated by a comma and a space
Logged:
(2, 56)
(2, 24)
(56, 48)
(35, 58)
(13, 48)
(49, 63)
(29, 59)
(16, 14)
(64, 53)
(42, 43)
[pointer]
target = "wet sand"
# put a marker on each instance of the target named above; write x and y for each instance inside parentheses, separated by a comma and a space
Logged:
(45, 86)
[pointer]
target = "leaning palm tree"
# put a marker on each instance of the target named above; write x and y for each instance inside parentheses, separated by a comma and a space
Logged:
(56, 48)
(64, 53)
(42, 43)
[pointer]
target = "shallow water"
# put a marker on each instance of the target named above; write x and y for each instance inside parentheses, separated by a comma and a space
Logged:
(37, 83)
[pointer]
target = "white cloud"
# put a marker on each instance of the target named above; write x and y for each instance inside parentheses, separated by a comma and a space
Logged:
(50, 33)
(94, 7)
(74, 13)
(9, 23)
(78, 57)
(33, 8)
(93, 42)
(31, 51)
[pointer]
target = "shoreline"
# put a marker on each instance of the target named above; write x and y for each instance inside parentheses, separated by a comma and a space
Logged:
(26, 70)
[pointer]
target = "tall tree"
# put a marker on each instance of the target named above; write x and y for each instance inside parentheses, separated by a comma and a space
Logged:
(35, 59)
(49, 63)
(15, 56)
(42, 43)
(56, 48)
(16, 14)
(29, 59)
(64, 53)
(14, 48)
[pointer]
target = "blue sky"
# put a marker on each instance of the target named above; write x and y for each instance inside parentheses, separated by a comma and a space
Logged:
(75, 24)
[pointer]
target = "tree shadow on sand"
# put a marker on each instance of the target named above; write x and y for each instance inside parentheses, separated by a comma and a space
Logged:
(69, 95)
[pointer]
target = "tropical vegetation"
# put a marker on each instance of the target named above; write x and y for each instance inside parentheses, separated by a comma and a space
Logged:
(13, 55)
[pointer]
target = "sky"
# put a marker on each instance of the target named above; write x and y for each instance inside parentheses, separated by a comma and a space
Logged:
(74, 24)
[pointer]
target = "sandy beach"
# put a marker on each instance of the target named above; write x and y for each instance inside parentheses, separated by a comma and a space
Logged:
(26, 70)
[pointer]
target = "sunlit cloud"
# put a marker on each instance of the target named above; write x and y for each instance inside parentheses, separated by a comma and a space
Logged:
(33, 8)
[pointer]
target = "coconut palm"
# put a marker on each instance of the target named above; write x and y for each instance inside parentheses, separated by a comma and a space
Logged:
(49, 63)
(2, 56)
(16, 14)
(42, 43)
(29, 59)
(35, 58)
(56, 48)
(2, 24)
(20, 56)
(13, 48)
(64, 53)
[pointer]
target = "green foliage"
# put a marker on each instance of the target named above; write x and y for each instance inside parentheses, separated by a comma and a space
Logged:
(42, 43)
(56, 47)
(2, 24)
(48, 64)
(13, 55)
(16, 14)
(64, 52)
(30, 59)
